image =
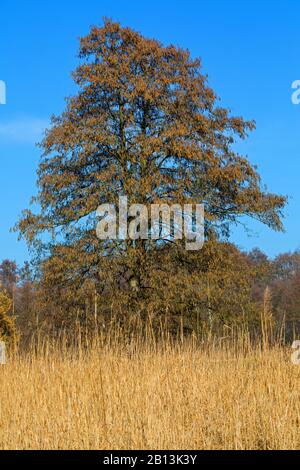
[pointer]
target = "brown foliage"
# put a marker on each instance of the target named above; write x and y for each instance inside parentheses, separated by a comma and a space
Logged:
(144, 124)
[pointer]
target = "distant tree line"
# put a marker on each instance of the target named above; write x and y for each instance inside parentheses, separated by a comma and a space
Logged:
(218, 289)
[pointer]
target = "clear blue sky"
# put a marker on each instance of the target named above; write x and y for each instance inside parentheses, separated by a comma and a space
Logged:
(249, 49)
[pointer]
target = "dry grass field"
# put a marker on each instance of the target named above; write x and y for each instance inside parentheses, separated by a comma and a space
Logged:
(137, 397)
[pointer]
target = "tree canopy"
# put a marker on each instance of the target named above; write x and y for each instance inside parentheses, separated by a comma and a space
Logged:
(144, 124)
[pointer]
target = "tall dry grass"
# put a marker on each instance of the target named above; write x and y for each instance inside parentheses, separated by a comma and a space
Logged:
(150, 396)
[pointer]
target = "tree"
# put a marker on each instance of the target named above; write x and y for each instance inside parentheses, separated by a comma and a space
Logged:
(25, 301)
(9, 278)
(144, 124)
(7, 325)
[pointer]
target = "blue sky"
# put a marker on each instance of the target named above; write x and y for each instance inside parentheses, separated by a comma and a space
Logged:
(250, 51)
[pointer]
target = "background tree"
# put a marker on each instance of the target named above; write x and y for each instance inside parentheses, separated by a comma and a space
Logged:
(8, 280)
(7, 324)
(26, 311)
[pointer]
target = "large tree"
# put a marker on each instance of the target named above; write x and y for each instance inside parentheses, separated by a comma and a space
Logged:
(144, 124)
